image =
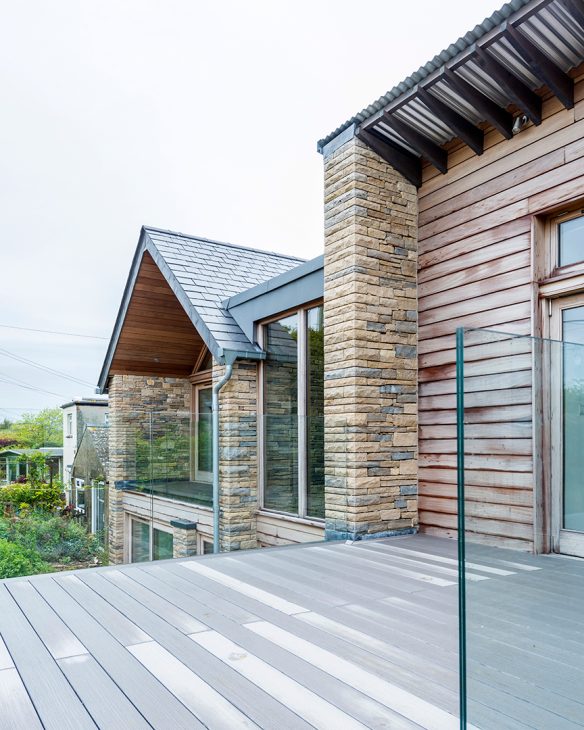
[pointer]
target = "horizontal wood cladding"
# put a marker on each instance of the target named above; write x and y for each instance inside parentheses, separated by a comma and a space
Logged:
(476, 270)
(273, 530)
(157, 336)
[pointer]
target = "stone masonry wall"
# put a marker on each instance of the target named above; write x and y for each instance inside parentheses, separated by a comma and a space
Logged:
(142, 408)
(238, 472)
(370, 325)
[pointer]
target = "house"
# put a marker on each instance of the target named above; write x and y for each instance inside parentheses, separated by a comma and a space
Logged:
(13, 463)
(258, 400)
(88, 477)
(453, 201)
(176, 337)
(77, 415)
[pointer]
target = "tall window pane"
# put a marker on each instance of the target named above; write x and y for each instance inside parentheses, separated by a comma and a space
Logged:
(314, 411)
(140, 541)
(204, 435)
(281, 416)
(161, 544)
(571, 235)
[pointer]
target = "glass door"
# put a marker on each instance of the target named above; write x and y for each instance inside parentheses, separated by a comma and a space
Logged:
(203, 455)
(568, 424)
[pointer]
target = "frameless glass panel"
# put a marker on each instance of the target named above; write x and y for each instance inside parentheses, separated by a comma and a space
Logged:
(162, 543)
(573, 418)
(204, 435)
(140, 545)
(520, 440)
(315, 410)
(281, 420)
(571, 241)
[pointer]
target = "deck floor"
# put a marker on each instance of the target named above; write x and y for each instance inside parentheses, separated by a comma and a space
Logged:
(315, 636)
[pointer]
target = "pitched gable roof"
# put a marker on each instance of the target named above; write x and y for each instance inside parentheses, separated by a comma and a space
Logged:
(202, 274)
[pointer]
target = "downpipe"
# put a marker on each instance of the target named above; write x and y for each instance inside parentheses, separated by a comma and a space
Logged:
(215, 409)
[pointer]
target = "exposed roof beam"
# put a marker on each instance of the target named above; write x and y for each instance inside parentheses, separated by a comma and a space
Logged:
(465, 130)
(430, 150)
(403, 161)
(543, 67)
(493, 113)
(520, 94)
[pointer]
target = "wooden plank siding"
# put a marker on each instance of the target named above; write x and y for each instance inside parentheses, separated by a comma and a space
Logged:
(157, 336)
(476, 269)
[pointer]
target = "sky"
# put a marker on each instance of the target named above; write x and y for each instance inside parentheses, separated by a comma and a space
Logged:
(200, 117)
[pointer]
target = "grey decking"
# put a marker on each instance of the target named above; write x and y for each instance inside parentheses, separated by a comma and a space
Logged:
(326, 636)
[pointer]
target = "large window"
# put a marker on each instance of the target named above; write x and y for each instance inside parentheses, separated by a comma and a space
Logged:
(149, 542)
(292, 423)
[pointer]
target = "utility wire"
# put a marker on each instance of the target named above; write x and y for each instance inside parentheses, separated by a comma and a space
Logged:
(29, 387)
(24, 384)
(14, 381)
(52, 332)
(45, 368)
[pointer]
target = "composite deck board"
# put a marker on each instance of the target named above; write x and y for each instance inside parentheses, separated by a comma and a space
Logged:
(55, 701)
(323, 635)
(16, 709)
(255, 704)
(152, 699)
(100, 694)
(328, 689)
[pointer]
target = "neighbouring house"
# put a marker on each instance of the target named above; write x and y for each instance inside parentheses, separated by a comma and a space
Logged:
(89, 475)
(13, 463)
(455, 200)
(77, 415)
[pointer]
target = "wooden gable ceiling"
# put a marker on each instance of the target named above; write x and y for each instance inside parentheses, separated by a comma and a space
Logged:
(157, 337)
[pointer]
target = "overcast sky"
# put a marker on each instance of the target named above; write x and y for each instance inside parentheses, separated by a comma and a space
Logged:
(200, 117)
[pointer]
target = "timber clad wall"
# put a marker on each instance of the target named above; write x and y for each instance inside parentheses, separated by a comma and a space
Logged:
(370, 352)
(475, 270)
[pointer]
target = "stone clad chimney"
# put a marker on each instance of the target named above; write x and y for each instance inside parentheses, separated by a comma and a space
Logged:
(370, 325)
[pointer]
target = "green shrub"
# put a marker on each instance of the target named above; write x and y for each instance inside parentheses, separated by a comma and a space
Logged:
(55, 539)
(26, 496)
(16, 561)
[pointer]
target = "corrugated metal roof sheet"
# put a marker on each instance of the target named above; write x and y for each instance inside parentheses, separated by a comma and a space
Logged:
(548, 23)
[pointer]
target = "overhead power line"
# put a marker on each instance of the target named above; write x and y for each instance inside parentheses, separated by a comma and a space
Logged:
(46, 368)
(4, 378)
(52, 332)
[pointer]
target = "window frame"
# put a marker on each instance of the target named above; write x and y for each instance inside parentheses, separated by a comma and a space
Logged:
(552, 236)
(152, 525)
(196, 475)
(302, 411)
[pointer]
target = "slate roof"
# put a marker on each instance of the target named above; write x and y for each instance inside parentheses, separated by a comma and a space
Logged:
(203, 274)
(210, 272)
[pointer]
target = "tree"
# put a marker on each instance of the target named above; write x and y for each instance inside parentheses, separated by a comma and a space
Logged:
(45, 428)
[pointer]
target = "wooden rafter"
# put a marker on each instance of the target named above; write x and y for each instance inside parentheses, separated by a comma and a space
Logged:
(472, 136)
(430, 150)
(520, 94)
(543, 67)
(403, 161)
(493, 113)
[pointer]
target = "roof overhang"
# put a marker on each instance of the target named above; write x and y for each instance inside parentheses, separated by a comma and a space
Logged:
(167, 317)
(154, 333)
(494, 74)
